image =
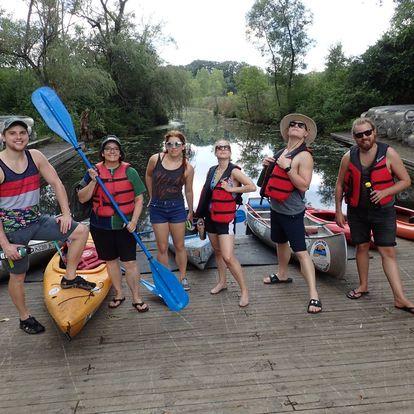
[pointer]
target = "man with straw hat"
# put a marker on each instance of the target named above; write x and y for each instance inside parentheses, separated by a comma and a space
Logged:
(288, 176)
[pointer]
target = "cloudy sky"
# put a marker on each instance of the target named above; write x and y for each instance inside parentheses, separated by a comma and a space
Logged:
(216, 29)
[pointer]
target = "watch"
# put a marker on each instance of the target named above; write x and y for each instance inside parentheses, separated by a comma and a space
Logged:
(287, 169)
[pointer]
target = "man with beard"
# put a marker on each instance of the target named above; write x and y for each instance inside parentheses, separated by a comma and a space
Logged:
(370, 175)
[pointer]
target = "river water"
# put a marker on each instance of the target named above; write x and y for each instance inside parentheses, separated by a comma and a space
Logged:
(250, 143)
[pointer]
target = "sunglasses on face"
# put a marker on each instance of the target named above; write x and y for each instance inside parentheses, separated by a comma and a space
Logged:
(223, 147)
(367, 133)
(111, 149)
(176, 144)
(299, 124)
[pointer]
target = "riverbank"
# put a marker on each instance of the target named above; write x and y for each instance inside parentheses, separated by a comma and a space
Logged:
(213, 357)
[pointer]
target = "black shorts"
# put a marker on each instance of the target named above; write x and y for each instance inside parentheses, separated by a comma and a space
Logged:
(288, 228)
(219, 228)
(382, 222)
(114, 244)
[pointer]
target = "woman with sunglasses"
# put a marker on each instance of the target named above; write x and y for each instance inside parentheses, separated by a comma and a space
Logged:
(167, 173)
(288, 176)
(216, 213)
(113, 240)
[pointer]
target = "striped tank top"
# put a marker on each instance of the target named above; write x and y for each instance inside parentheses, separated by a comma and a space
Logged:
(19, 196)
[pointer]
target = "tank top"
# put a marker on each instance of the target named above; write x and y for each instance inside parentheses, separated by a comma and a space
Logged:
(167, 184)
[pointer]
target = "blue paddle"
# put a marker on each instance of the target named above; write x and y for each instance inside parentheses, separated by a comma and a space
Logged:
(56, 116)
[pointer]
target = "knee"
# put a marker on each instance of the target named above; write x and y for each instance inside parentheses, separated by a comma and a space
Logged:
(81, 232)
(362, 248)
(387, 253)
(179, 248)
(228, 258)
(17, 279)
(162, 249)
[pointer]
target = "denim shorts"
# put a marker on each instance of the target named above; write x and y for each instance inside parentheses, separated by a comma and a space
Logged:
(288, 228)
(167, 211)
(381, 221)
(45, 228)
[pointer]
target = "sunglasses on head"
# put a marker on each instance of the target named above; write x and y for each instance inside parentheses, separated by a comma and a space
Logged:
(367, 133)
(299, 124)
(176, 144)
(223, 147)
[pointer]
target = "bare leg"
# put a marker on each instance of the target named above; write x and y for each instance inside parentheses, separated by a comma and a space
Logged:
(221, 265)
(226, 242)
(114, 273)
(132, 275)
(283, 257)
(16, 291)
(76, 247)
(391, 270)
(308, 272)
(178, 232)
(161, 231)
(362, 259)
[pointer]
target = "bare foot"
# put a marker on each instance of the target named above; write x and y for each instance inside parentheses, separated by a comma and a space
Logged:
(244, 300)
(218, 288)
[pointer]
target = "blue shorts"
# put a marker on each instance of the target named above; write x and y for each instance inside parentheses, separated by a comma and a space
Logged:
(167, 211)
(288, 228)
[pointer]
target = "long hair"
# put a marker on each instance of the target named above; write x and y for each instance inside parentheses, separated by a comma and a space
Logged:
(177, 134)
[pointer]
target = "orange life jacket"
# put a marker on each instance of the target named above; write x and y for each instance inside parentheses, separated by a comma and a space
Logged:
(277, 184)
(223, 204)
(380, 176)
(120, 188)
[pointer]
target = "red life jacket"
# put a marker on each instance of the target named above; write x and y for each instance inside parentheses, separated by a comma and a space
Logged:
(120, 188)
(277, 184)
(223, 204)
(380, 176)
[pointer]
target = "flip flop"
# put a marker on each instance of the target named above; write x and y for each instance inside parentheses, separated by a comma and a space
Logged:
(406, 309)
(353, 294)
(140, 304)
(275, 279)
(118, 302)
(315, 303)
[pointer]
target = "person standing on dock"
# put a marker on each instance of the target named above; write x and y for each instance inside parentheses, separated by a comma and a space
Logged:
(216, 212)
(288, 176)
(113, 240)
(167, 173)
(370, 175)
(22, 221)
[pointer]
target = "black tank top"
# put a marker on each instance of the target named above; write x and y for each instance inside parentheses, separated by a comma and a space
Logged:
(167, 184)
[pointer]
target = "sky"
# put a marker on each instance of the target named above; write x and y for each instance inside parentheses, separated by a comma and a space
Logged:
(216, 29)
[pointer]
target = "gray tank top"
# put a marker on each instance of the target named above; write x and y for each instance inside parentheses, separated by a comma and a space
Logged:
(295, 204)
(167, 184)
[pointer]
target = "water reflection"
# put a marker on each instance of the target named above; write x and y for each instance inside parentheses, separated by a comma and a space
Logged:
(250, 143)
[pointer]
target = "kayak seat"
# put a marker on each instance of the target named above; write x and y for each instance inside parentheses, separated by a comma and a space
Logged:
(89, 259)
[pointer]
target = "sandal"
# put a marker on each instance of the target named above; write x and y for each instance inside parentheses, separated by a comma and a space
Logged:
(138, 306)
(316, 303)
(273, 278)
(354, 294)
(31, 326)
(117, 302)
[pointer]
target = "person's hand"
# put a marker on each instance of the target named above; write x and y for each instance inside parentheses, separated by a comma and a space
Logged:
(93, 173)
(131, 226)
(11, 251)
(283, 162)
(340, 219)
(267, 161)
(65, 221)
(225, 186)
(190, 216)
(377, 195)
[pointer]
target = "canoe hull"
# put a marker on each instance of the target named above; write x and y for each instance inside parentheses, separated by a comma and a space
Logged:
(327, 250)
(199, 251)
(71, 309)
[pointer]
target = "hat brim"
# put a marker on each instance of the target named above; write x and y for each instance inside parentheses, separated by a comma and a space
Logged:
(310, 125)
(12, 122)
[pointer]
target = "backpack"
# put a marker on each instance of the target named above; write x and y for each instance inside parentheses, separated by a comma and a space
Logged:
(80, 211)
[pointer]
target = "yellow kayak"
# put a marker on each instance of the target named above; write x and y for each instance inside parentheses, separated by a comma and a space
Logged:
(72, 308)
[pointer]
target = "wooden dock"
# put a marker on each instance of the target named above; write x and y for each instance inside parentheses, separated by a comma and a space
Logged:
(357, 356)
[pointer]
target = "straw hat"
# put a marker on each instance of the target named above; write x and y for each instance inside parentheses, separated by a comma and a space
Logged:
(310, 125)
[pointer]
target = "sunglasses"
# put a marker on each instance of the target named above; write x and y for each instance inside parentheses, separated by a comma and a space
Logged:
(176, 144)
(367, 133)
(299, 124)
(223, 147)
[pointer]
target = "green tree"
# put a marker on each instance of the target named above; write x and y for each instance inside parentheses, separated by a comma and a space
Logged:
(280, 27)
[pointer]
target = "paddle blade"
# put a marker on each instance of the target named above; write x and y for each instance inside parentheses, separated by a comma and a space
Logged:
(168, 287)
(240, 216)
(54, 113)
(150, 287)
